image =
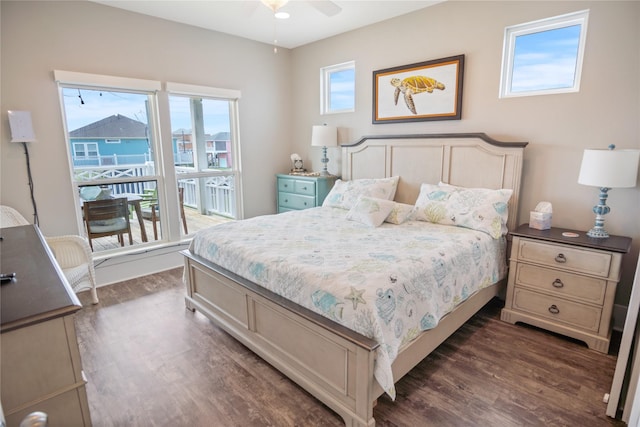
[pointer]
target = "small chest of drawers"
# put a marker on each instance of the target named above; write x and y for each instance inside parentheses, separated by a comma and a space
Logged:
(296, 192)
(564, 284)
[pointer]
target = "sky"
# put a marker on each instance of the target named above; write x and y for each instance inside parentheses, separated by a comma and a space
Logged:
(84, 106)
(546, 59)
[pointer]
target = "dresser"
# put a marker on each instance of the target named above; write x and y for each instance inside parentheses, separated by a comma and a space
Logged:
(297, 192)
(40, 364)
(564, 283)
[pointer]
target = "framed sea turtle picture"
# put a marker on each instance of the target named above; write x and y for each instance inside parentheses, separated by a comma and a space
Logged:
(430, 90)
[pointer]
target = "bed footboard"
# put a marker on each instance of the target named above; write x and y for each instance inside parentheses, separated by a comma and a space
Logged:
(332, 363)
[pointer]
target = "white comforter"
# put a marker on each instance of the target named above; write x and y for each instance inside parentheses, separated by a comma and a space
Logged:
(387, 283)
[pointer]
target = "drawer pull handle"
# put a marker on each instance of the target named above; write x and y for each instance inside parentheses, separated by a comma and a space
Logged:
(305, 203)
(561, 258)
(557, 283)
(286, 200)
(304, 188)
(554, 309)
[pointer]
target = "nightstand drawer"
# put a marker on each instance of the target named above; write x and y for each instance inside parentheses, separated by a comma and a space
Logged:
(307, 188)
(584, 288)
(565, 257)
(295, 201)
(559, 310)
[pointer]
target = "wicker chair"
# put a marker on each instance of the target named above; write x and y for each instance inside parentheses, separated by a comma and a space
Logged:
(72, 253)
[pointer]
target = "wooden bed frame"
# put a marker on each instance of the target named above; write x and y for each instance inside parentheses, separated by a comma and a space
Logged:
(331, 362)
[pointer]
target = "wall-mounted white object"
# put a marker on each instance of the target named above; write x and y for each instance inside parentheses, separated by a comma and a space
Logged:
(21, 126)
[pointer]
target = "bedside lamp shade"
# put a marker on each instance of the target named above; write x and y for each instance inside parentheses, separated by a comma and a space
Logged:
(324, 136)
(607, 169)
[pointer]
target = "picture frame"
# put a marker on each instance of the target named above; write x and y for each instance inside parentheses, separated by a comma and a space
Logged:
(430, 90)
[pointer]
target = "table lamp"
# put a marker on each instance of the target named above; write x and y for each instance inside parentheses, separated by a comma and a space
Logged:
(607, 169)
(324, 136)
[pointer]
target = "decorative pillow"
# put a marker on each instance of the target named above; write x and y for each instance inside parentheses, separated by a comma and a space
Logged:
(480, 209)
(370, 211)
(344, 194)
(400, 213)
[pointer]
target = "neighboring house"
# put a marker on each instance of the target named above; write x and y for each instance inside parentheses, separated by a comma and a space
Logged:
(115, 140)
(218, 148)
(119, 140)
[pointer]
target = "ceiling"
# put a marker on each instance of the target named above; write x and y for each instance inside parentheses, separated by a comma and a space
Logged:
(309, 20)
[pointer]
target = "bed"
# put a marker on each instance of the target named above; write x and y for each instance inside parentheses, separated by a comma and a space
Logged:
(345, 320)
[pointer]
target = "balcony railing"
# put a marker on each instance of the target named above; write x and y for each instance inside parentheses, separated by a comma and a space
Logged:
(218, 196)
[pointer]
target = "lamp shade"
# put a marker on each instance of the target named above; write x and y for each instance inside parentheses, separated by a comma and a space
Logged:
(324, 136)
(609, 168)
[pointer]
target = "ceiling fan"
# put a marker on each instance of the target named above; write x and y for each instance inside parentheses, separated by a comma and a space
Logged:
(326, 7)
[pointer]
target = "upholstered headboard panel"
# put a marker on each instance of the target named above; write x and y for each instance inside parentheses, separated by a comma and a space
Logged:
(467, 160)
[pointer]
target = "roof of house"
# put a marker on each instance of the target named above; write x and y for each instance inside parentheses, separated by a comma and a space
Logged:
(116, 126)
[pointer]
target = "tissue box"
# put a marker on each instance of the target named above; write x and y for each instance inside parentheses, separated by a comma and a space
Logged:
(540, 220)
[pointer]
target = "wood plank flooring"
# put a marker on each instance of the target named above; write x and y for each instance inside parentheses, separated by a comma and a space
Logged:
(151, 362)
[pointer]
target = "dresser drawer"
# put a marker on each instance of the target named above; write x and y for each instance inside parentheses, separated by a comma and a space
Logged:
(569, 285)
(295, 201)
(307, 188)
(565, 257)
(559, 310)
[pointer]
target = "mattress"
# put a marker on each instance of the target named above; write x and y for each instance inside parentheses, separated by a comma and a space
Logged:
(388, 283)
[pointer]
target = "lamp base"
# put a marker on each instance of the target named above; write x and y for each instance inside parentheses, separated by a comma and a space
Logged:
(598, 233)
(601, 209)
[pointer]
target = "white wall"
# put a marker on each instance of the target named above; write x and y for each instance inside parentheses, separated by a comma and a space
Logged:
(39, 37)
(557, 127)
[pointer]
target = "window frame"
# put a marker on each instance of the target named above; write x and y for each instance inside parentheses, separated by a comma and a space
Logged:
(511, 34)
(325, 87)
(149, 88)
(231, 96)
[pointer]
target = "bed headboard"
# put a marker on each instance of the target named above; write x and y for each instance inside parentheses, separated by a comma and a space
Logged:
(463, 159)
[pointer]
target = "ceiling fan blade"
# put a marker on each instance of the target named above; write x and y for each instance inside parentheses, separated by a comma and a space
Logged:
(327, 7)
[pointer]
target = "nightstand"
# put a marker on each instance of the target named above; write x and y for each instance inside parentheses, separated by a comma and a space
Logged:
(564, 284)
(296, 192)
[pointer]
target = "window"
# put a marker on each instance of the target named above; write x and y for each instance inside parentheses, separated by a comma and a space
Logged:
(544, 57)
(205, 148)
(115, 151)
(337, 88)
(85, 152)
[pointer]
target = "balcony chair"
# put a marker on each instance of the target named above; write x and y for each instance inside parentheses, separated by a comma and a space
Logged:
(151, 211)
(72, 253)
(107, 217)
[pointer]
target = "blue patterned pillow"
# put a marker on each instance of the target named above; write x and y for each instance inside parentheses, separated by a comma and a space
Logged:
(344, 194)
(480, 209)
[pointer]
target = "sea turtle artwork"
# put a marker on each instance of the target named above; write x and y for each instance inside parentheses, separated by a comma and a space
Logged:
(413, 85)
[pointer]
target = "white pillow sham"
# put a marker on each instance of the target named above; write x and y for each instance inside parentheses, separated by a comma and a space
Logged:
(480, 209)
(370, 211)
(344, 194)
(400, 213)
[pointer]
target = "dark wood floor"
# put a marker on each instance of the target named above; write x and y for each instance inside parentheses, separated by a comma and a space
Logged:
(151, 362)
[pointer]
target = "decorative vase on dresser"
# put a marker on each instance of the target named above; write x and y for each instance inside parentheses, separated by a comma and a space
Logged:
(296, 192)
(564, 281)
